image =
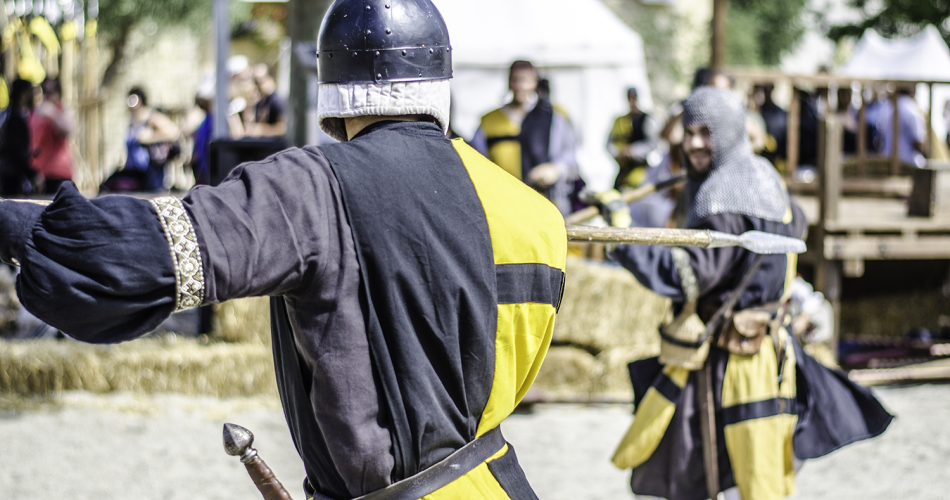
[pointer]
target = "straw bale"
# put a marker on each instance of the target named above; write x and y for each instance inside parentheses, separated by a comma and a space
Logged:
(892, 315)
(244, 321)
(164, 364)
(604, 307)
(568, 371)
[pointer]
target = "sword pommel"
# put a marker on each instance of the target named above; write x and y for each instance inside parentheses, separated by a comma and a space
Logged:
(238, 441)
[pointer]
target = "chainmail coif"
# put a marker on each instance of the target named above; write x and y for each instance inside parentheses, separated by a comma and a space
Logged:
(739, 182)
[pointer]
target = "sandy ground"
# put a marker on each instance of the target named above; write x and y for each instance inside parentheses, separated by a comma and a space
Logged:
(169, 447)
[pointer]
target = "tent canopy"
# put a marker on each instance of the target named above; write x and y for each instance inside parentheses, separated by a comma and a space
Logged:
(924, 56)
(551, 33)
(589, 55)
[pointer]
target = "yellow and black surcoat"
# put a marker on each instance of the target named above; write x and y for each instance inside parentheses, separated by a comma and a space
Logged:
(462, 274)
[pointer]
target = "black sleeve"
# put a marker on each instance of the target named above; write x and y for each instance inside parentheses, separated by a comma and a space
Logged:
(654, 268)
(113, 268)
(99, 270)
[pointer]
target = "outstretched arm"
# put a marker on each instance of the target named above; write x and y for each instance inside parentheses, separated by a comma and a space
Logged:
(113, 268)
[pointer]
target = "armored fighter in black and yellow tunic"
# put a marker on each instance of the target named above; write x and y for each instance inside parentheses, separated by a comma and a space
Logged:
(772, 403)
(414, 284)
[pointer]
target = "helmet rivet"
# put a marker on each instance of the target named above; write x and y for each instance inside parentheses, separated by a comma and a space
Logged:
(389, 31)
(387, 5)
(377, 53)
(354, 54)
(369, 8)
(431, 51)
(404, 52)
(369, 32)
(379, 76)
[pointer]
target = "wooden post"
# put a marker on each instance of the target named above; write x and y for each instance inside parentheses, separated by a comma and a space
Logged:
(222, 51)
(930, 114)
(895, 134)
(720, 14)
(862, 137)
(794, 119)
(828, 272)
(305, 17)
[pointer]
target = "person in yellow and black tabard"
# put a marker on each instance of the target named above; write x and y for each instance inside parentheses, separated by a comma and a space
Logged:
(774, 404)
(531, 139)
(632, 138)
(413, 283)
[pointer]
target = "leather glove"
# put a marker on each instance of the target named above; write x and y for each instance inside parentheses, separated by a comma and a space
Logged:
(613, 209)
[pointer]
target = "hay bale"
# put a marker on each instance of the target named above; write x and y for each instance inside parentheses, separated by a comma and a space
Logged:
(245, 321)
(892, 315)
(166, 364)
(568, 372)
(605, 307)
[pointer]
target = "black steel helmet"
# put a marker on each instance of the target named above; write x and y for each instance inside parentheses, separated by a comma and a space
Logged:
(377, 41)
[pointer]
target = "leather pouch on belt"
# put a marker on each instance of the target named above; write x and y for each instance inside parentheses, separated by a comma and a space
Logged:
(687, 329)
(744, 331)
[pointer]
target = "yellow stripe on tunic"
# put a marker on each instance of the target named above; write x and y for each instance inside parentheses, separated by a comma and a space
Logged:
(525, 228)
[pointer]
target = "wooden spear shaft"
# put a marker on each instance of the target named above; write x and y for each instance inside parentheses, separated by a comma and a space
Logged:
(640, 236)
(629, 196)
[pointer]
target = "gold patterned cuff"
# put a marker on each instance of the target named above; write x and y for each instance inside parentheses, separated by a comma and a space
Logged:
(186, 257)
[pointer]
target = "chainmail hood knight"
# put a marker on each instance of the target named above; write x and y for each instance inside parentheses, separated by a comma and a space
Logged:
(739, 182)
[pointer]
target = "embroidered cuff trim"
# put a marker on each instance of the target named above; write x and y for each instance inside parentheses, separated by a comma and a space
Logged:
(186, 258)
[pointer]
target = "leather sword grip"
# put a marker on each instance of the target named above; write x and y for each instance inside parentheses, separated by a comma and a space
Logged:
(265, 480)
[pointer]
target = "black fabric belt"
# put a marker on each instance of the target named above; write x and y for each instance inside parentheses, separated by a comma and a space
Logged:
(441, 474)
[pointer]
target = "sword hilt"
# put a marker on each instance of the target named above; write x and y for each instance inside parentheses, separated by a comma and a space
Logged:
(237, 442)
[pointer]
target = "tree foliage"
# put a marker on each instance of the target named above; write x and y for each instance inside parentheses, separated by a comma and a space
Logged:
(760, 32)
(118, 18)
(895, 18)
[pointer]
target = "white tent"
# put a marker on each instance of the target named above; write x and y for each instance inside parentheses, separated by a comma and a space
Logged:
(590, 56)
(924, 56)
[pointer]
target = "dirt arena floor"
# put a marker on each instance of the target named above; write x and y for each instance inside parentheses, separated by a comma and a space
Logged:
(169, 447)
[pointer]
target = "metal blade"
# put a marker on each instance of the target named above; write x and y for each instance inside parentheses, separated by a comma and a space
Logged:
(758, 242)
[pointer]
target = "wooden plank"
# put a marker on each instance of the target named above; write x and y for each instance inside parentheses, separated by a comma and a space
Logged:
(794, 119)
(862, 137)
(930, 114)
(899, 187)
(758, 75)
(895, 135)
(829, 148)
(932, 370)
(886, 247)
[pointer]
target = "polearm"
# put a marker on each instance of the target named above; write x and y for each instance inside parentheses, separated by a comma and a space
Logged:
(755, 241)
(585, 214)
(237, 442)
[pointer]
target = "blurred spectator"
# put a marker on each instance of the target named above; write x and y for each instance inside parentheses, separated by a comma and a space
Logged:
(807, 131)
(16, 171)
(50, 128)
(911, 131)
(633, 138)
(149, 144)
(531, 139)
(202, 136)
(848, 115)
(776, 126)
(269, 118)
(872, 115)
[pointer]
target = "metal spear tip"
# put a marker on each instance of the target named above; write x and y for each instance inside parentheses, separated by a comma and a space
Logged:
(237, 439)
